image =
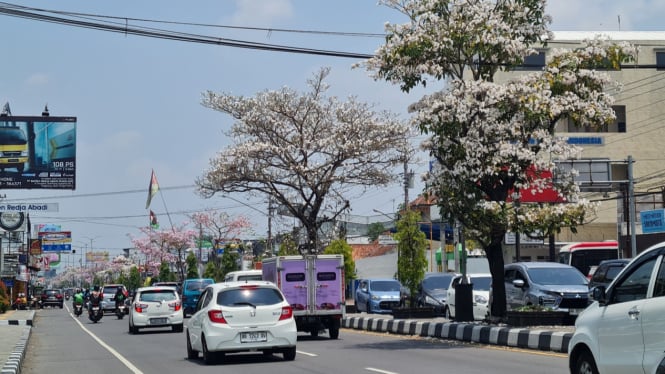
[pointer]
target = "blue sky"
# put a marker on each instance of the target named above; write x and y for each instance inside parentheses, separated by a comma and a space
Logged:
(137, 99)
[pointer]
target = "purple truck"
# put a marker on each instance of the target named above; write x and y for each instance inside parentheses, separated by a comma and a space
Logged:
(314, 286)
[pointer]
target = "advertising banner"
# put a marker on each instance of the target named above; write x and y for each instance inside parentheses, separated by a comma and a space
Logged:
(35, 247)
(97, 256)
(56, 241)
(37, 152)
(652, 221)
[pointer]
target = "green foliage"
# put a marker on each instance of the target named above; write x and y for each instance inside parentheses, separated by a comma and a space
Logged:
(165, 274)
(374, 230)
(212, 271)
(134, 280)
(4, 298)
(230, 260)
(341, 247)
(122, 279)
(288, 247)
(192, 266)
(411, 247)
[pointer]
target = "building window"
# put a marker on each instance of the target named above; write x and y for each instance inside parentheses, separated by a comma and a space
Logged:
(619, 124)
(660, 60)
(533, 62)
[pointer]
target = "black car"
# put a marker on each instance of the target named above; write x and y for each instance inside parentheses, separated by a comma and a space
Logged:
(606, 272)
(433, 289)
(52, 297)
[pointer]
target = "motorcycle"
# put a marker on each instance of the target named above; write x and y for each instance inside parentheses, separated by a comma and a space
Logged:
(95, 312)
(78, 309)
(120, 310)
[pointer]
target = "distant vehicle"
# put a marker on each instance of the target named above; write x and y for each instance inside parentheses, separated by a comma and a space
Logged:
(548, 284)
(176, 285)
(243, 275)
(379, 295)
(191, 290)
(584, 255)
(13, 148)
(156, 306)
(232, 317)
(622, 332)
(433, 291)
(481, 294)
(606, 272)
(108, 293)
(53, 298)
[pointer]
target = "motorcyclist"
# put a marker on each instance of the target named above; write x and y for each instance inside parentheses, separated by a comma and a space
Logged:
(119, 297)
(95, 297)
(78, 297)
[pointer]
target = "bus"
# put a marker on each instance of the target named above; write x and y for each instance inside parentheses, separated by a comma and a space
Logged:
(586, 255)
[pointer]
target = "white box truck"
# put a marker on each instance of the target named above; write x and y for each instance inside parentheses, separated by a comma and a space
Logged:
(314, 285)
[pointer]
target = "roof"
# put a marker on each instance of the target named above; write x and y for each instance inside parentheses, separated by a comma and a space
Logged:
(541, 265)
(613, 35)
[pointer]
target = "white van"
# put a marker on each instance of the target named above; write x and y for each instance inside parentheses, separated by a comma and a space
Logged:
(243, 275)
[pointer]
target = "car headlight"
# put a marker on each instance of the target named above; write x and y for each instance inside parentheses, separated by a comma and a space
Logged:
(374, 297)
(480, 299)
(432, 301)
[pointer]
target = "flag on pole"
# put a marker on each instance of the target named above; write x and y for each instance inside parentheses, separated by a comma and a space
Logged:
(152, 188)
(153, 220)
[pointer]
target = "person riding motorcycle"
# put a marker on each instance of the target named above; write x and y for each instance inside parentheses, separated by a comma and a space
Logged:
(119, 297)
(95, 297)
(78, 297)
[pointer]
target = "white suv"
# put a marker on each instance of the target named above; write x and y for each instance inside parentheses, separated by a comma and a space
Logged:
(622, 332)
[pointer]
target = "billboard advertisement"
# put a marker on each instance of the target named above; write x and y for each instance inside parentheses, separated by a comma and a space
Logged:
(56, 241)
(37, 152)
(102, 256)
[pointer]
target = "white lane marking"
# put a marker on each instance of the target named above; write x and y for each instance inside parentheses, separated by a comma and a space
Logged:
(380, 371)
(117, 355)
(308, 354)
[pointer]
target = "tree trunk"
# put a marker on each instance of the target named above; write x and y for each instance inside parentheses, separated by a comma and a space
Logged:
(495, 257)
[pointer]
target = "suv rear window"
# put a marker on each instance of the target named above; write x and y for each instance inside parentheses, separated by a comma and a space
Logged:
(246, 295)
(158, 295)
(197, 285)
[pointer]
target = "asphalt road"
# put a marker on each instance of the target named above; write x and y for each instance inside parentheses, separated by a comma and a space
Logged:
(60, 343)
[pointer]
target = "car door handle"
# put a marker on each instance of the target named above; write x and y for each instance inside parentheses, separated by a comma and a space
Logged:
(634, 313)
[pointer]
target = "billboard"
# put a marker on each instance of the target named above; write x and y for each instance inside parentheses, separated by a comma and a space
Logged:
(56, 241)
(37, 152)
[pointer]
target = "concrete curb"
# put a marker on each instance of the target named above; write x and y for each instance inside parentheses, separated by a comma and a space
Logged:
(504, 336)
(15, 360)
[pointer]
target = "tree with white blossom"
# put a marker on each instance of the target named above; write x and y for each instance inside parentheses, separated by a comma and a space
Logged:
(306, 151)
(488, 138)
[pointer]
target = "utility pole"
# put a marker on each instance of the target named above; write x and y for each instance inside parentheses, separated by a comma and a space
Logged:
(406, 183)
(631, 207)
(270, 213)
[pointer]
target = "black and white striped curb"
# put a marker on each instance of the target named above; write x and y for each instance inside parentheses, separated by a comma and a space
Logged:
(16, 322)
(468, 332)
(15, 360)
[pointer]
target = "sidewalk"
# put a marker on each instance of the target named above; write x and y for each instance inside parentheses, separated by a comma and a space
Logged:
(545, 338)
(15, 329)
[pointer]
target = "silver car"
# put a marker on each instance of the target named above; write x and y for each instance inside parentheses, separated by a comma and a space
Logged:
(549, 284)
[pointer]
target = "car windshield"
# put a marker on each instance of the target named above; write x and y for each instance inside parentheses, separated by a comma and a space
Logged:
(253, 296)
(385, 286)
(481, 283)
(612, 272)
(198, 285)
(439, 282)
(557, 276)
(158, 295)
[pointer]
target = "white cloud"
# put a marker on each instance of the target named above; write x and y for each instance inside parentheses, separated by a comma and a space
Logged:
(261, 12)
(37, 79)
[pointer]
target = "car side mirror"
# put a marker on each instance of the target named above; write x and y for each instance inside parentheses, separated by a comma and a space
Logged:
(599, 294)
(519, 283)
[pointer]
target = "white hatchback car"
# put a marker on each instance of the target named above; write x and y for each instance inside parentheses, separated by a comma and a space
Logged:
(622, 332)
(156, 306)
(241, 316)
(481, 293)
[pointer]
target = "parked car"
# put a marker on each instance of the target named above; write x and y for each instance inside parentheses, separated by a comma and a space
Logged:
(243, 275)
(175, 285)
(622, 331)
(606, 272)
(191, 290)
(378, 295)
(549, 284)
(480, 293)
(108, 293)
(156, 306)
(243, 316)
(433, 291)
(52, 297)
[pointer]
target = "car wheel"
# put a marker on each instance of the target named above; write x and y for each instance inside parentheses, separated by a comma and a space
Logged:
(314, 332)
(367, 309)
(131, 331)
(177, 328)
(135, 330)
(290, 354)
(208, 357)
(191, 354)
(585, 364)
(61, 306)
(333, 330)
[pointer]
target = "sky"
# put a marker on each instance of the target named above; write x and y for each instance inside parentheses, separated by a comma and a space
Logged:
(138, 100)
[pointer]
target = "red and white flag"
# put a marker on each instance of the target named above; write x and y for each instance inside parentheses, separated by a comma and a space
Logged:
(153, 187)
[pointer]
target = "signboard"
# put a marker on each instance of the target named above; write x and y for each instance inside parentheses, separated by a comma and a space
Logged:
(37, 152)
(97, 256)
(30, 207)
(652, 221)
(56, 241)
(35, 247)
(509, 239)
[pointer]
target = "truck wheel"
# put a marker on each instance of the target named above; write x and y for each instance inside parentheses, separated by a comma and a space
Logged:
(314, 332)
(333, 330)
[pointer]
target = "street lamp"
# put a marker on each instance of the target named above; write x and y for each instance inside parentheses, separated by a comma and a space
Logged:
(91, 248)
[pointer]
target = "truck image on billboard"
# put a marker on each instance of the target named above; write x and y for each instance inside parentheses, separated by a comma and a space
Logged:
(37, 152)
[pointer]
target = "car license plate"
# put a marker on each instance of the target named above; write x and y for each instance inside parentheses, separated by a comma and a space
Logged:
(254, 336)
(158, 321)
(574, 312)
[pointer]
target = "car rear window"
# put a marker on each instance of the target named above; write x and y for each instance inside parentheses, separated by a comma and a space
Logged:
(197, 285)
(158, 295)
(250, 277)
(51, 292)
(249, 295)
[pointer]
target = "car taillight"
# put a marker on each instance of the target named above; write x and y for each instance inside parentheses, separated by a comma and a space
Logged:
(175, 305)
(58, 296)
(216, 316)
(287, 313)
(139, 307)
